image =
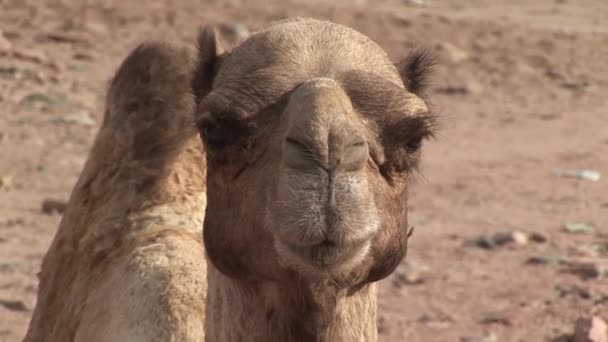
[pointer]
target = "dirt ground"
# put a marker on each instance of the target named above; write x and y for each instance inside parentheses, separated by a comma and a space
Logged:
(522, 87)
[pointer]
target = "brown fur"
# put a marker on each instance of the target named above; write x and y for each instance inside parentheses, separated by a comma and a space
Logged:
(305, 90)
(127, 262)
(310, 138)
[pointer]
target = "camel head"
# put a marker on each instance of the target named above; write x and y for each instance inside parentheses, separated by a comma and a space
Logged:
(312, 136)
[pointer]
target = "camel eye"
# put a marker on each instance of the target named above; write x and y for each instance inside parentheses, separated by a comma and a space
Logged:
(414, 143)
(221, 133)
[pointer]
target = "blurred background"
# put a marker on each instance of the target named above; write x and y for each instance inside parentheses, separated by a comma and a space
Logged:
(511, 208)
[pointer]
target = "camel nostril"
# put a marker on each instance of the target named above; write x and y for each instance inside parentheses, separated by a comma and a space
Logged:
(328, 243)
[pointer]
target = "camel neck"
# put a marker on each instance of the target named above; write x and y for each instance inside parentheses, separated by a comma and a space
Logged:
(290, 312)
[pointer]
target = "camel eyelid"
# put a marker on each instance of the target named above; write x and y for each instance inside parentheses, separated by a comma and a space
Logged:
(296, 143)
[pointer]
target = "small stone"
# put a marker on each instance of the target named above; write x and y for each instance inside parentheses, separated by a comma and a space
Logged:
(440, 321)
(6, 182)
(51, 206)
(83, 118)
(577, 227)
(487, 338)
(9, 266)
(83, 56)
(37, 97)
(5, 44)
(383, 327)
(519, 238)
(14, 222)
(501, 238)
(538, 260)
(515, 237)
(547, 259)
(419, 3)
(96, 26)
(575, 85)
(484, 242)
(13, 305)
(451, 53)
(592, 329)
(497, 317)
(30, 55)
(403, 19)
(408, 273)
(464, 88)
(538, 237)
(578, 291)
(586, 268)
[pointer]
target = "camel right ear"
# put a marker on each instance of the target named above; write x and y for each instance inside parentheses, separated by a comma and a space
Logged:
(207, 62)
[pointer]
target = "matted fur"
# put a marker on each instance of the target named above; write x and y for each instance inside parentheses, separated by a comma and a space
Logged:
(127, 262)
(301, 103)
(312, 90)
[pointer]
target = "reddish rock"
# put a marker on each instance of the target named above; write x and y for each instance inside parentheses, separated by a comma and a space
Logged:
(592, 329)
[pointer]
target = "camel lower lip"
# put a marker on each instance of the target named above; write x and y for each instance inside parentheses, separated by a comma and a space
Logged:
(327, 253)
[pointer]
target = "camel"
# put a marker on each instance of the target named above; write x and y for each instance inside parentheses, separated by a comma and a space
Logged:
(256, 194)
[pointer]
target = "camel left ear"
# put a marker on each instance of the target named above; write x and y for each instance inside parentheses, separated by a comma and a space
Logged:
(415, 71)
(208, 61)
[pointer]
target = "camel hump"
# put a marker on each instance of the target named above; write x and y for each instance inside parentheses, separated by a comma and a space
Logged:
(150, 101)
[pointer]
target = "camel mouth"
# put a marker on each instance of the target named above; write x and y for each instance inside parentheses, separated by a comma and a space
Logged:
(329, 253)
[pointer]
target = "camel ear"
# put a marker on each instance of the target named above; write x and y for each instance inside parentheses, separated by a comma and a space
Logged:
(415, 71)
(207, 62)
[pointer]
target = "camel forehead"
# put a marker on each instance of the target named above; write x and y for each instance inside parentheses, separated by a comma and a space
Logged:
(296, 50)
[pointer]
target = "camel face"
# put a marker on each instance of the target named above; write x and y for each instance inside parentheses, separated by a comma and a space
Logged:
(321, 213)
(311, 138)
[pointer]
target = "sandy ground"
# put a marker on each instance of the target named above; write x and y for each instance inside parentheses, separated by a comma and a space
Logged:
(522, 87)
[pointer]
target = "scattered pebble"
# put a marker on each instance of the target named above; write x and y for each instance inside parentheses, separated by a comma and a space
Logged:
(6, 182)
(575, 85)
(497, 317)
(36, 97)
(519, 238)
(546, 259)
(83, 56)
(502, 238)
(13, 305)
(83, 118)
(10, 266)
(486, 338)
(578, 291)
(60, 37)
(30, 55)
(592, 329)
(437, 322)
(538, 260)
(591, 250)
(51, 206)
(451, 53)
(590, 175)
(464, 88)
(538, 237)
(408, 273)
(420, 3)
(586, 268)
(383, 327)
(577, 227)
(5, 44)
(403, 19)
(14, 222)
